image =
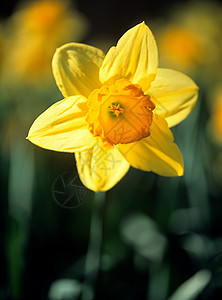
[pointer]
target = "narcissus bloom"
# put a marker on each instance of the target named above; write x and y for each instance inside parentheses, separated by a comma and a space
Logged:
(117, 110)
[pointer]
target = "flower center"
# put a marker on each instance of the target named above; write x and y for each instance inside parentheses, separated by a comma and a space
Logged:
(119, 113)
(116, 109)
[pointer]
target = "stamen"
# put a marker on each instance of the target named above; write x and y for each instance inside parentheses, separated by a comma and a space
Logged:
(116, 109)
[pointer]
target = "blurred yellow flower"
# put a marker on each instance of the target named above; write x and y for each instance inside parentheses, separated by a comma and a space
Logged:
(217, 119)
(190, 38)
(1, 50)
(180, 46)
(117, 110)
(214, 126)
(32, 34)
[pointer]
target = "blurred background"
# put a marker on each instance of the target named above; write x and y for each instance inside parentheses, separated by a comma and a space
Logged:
(156, 238)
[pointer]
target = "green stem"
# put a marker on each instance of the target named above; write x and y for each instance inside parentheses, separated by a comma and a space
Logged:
(20, 189)
(92, 263)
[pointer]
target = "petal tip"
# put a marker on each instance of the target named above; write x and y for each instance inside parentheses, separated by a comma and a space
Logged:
(180, 167)
(58, 50)
(180, 172)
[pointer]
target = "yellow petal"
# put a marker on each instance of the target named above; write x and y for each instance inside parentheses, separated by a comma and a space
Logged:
(157, 153)
(76, 69)
(175, 95)
(62, 127)
(100, 168)
(135, 58)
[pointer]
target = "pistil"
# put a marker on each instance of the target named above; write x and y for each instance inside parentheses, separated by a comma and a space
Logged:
(116, 109)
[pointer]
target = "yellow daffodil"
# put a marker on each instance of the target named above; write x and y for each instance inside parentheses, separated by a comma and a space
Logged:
(33, 32)
(117, 110)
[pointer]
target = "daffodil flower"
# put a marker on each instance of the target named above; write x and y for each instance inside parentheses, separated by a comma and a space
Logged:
(117, 110)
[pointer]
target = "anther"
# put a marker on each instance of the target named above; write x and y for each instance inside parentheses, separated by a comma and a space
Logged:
(117, 110)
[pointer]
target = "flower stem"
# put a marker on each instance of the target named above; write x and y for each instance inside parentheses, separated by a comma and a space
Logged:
(92, 263)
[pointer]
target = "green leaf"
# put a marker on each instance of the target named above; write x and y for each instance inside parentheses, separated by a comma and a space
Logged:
(191, 288)
(142, 233)
(69, 289)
